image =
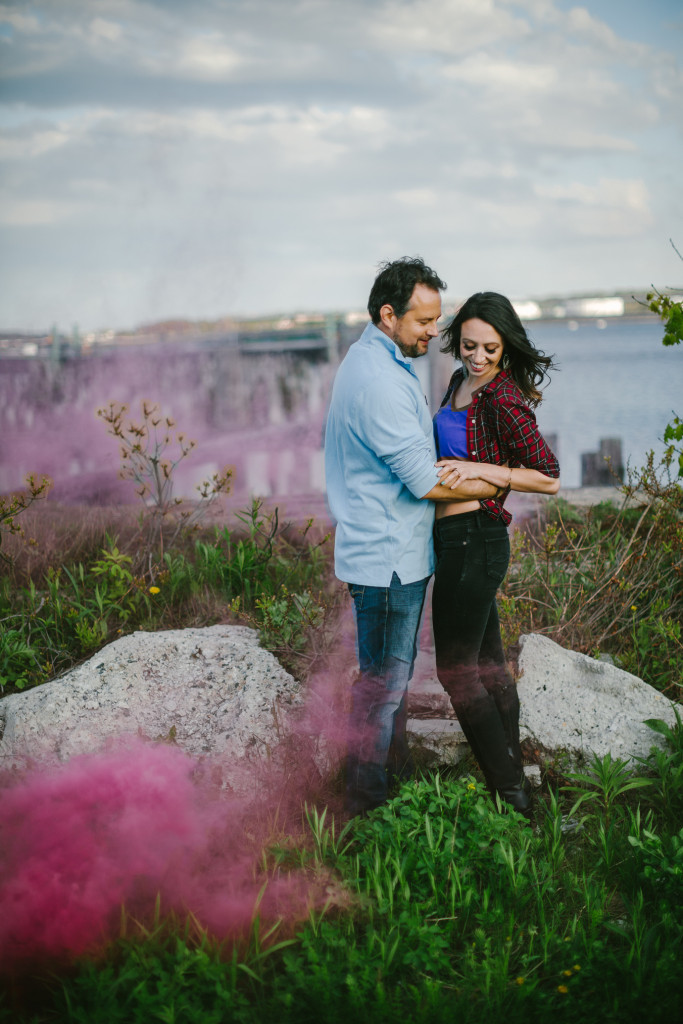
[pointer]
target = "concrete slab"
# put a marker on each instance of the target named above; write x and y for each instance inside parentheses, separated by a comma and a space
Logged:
(440, 739)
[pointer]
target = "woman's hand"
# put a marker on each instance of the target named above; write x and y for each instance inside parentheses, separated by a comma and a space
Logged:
(452, 472)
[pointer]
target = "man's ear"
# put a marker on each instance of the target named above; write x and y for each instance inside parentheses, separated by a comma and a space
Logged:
(387, 316)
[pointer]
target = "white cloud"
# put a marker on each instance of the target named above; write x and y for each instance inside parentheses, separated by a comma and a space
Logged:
(479, 167)
(312, 135)
(330, 135)
(33, 145)
(29, 213)
(631, 195)
(490, 72)
(103, 29)
(30, 139)
(610, 207)
(443, 26)
(579, 23)
(208, 57)
(418, 197)
(19, 21)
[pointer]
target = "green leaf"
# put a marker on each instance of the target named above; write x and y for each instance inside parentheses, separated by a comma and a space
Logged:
(660, 726)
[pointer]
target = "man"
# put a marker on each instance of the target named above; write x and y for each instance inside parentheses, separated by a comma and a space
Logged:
(381, 481)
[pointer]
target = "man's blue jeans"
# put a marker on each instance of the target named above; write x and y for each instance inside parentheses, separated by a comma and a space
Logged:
(387, 627)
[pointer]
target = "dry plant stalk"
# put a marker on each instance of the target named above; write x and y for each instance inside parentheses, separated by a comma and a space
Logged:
(148, 459)
(581, 586)
(13, 505)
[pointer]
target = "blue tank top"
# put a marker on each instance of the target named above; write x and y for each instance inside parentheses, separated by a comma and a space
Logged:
(450, 433)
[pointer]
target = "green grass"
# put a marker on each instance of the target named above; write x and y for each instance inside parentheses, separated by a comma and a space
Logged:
(444, 909)
(440, 907)
(257, 572)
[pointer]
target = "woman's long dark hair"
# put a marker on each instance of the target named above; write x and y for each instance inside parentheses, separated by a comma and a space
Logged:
(527, 365)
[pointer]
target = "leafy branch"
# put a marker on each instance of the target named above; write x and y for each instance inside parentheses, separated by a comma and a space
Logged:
(670, 309)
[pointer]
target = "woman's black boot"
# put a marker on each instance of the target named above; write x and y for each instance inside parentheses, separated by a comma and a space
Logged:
(483, 728)
(517, 797)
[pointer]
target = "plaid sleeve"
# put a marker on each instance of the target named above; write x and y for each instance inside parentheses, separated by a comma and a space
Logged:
(516, 426)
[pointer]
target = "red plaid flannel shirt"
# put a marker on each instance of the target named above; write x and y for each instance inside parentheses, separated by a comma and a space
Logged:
(501, 428)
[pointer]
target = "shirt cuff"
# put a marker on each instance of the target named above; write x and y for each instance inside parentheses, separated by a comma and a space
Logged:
(422, 483)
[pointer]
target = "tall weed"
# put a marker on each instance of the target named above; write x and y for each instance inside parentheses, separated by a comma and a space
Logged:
(64, 614)
(150, 453)
(607, 578)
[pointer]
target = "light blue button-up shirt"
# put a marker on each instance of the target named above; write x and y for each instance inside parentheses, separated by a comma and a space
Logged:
(379, 461)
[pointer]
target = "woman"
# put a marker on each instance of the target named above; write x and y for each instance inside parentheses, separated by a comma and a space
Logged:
(485, 430)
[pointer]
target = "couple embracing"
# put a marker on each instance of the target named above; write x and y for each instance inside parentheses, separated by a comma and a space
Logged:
(412, 498)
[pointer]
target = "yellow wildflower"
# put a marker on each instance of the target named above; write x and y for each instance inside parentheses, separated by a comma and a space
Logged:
(634, 607)
(577, 967)
(154, 590)
(567, 974)
(562, 989)
(519, 981)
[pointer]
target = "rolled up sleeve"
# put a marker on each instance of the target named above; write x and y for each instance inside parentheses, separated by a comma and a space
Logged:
(390, 425)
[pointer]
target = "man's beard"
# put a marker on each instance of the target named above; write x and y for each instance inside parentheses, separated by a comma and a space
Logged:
(409, 351)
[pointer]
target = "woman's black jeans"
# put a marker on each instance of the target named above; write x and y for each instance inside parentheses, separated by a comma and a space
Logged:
(472, 556)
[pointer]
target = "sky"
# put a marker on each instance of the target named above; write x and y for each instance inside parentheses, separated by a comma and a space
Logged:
(215, 158)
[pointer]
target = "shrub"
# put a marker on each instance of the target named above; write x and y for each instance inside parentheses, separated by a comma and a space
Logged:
(670, 309)
(12, 506)
(607, 578)
(67, 612)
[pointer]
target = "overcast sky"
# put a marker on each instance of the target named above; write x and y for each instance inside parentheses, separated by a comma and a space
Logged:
(216, 157)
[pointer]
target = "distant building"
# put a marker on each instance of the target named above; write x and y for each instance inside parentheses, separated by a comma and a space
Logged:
(593, 307)
(527, 310)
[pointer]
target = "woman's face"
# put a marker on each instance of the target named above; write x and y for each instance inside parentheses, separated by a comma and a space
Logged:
(481, 350)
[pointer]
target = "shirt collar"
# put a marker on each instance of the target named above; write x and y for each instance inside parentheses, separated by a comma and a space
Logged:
(375, 336)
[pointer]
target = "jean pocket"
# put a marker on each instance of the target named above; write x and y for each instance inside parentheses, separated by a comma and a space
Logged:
(357, 592)
(497, 557)
(451, 548)
(450, 535)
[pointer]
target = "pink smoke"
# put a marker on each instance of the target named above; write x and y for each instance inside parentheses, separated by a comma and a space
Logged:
(81, 839)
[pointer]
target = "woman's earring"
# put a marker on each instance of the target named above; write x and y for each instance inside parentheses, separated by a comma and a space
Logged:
(506, 361)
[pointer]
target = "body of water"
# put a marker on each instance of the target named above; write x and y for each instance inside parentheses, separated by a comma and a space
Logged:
(619, 381)
(264, 414)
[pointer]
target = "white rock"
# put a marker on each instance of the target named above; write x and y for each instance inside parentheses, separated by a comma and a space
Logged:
(574, 704)
(216, 689)
(441, 739)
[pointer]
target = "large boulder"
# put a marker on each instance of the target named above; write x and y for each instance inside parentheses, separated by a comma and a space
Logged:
(577, 706)
(211, 691)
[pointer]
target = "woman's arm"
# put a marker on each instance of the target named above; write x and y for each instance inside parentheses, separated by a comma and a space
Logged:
(515, 425)
(453, 472)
